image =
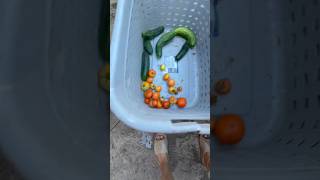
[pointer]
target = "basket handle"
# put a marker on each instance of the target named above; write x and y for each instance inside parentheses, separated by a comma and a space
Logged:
(187, 125)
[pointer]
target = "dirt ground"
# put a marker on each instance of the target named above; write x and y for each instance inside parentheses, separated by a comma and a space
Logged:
(132, 161)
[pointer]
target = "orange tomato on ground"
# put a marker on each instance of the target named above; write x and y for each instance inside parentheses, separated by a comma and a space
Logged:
(229, 129)
(181, 102)
(152, 73)
(148, 93)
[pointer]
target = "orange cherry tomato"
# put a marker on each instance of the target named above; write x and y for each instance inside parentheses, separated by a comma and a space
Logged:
(152, 73)
(151, 103)
(148, 93)
(156, 95)
(171, 82)
(159, 105)
(150, 80)
(166, 76)
(158, 88)
(181, 102)
(147, 100)
(154, 103)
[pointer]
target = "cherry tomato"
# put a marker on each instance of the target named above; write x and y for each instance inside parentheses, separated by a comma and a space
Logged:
(147, 100)
(166, 104)
(153, 86)
(173, 90)
(150, 80)
(158, 88)
(151, 103)
(152, 73)
(166, 76)
(162, 67)
(159, 105)
(154, 103)
(172, 100)
(145, 86)
(156, 95)
(181, 102)
(171, 82)
(148, 93)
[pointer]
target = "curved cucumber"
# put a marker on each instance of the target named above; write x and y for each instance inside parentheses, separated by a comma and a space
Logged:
(151, 34)
(145, 65)
(164, 40)
(183, 51)
(147, 46)
(187, 34)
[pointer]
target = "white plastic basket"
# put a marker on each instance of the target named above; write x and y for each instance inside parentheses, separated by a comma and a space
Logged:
(136, 16)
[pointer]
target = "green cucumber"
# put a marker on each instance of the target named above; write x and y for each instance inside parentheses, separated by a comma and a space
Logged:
(151, 34)
(183, 51)
(145, 65)
(147, 46)
(164, 40)
(187, 34)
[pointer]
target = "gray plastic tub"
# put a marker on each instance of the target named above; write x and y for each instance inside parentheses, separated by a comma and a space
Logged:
(53, 119)
(192, 72)
(270, 50)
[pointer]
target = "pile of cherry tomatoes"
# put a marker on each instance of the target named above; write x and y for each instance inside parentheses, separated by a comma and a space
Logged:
(152, 93)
